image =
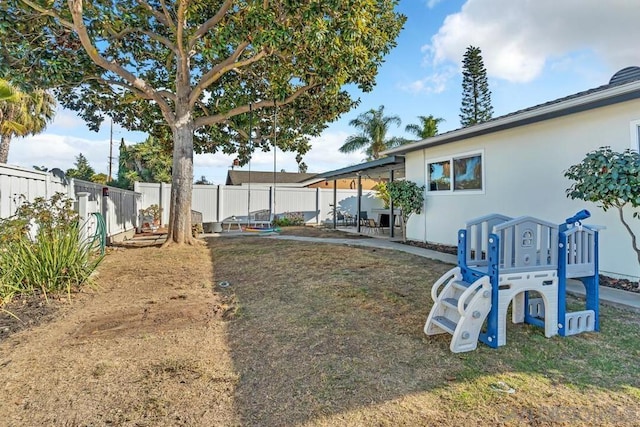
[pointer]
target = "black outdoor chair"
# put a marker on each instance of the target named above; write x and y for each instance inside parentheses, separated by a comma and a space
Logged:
(362, 218)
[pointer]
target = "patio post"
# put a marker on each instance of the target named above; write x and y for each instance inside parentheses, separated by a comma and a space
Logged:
(335, 200)
(391, 217)
(359, 199)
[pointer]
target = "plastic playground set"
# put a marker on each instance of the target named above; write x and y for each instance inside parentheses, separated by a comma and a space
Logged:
(522, 260)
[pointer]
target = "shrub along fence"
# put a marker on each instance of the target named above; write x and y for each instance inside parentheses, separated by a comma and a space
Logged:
(119, 207)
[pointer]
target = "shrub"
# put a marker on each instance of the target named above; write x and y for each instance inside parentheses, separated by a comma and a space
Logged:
(409, 197)
(289, 219)
(41, 249)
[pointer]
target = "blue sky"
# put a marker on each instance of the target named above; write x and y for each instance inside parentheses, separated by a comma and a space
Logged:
(534, 52)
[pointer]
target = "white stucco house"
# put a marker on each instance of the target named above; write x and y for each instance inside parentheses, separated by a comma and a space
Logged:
(515, 164)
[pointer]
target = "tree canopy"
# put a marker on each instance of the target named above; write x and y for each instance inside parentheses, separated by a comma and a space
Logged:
(209, 73)
(476, 96)
(147, 161)
(82, 169)
(373, 126)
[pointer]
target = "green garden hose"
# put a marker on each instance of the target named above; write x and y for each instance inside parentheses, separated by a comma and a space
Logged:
(99, 237)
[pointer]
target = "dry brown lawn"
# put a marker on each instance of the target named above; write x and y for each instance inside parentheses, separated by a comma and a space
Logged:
(303, 335)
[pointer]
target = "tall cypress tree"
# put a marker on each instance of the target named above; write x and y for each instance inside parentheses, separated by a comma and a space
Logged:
(476, 96)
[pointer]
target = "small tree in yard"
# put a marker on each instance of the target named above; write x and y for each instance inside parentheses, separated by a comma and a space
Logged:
(611, 179)
(409, 197)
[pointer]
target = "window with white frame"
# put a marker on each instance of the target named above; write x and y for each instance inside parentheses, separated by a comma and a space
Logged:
(634, 129)
(457, 173)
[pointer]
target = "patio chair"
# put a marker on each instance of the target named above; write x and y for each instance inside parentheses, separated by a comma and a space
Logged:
(372, 226)
(349, 220)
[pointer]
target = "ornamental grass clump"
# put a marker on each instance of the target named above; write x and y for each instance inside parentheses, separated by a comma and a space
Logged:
(42, 249)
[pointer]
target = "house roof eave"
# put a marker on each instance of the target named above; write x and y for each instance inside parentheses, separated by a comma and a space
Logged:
(573, 104)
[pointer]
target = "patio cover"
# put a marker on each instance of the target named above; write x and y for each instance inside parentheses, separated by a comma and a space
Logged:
(391, 167)
(379, 168)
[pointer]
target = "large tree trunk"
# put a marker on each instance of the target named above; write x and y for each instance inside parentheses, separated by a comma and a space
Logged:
(181, 183)
(5, 141)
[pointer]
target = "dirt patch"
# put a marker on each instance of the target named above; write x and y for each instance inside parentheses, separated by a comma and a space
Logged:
(138, 321)
(144, 348)
(27, 311)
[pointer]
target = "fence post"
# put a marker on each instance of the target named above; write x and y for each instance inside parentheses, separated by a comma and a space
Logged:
(164, 199)
(217, 204)
(105, 209)
(71, 189)
(47, 186)
(223, 213)
(317, 205)
(83, 212)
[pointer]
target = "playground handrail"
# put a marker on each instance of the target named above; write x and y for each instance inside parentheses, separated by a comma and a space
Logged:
(467, 293)
(455, 271)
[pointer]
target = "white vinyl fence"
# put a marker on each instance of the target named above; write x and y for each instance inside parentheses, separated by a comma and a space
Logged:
(218, 202)
(19, 185)
(119, 207)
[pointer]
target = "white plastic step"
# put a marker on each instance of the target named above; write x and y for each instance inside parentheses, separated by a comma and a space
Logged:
(452, 303)
(460, 284)
(444, 323)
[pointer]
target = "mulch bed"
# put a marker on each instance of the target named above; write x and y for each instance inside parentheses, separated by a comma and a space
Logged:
(24, 312)
(623, 284)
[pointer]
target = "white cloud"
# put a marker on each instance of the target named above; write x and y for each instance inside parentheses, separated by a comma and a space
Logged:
(434, 83)
(66, 119)
(518, 38)
(432, 3)
(58, 151)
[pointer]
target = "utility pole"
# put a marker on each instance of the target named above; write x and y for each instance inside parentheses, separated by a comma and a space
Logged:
(111, 152)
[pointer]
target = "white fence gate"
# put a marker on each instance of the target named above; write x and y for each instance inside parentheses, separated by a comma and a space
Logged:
(217, 202)
(119, 207)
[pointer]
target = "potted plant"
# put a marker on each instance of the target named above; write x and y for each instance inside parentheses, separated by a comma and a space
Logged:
(151, 217)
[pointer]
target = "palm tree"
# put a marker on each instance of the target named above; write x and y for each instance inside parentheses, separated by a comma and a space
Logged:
(7, 92)
(23, 114)
(427, 128)
(373, 127)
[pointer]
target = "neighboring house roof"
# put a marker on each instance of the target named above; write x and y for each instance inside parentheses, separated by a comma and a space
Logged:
(623, 86)
(242, 177)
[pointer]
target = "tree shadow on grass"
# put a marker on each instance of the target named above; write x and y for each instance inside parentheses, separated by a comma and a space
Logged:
(321, 330)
